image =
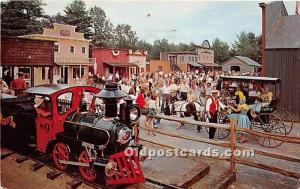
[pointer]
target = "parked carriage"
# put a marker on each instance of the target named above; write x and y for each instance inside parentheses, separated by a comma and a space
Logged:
(74, 133)
(270, 119)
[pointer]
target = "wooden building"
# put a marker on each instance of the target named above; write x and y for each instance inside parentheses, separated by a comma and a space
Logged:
(71, 52)
(200, 58)
(241, 64)
(111, 61)
(160, 65)
(281, 53)
(35, 58)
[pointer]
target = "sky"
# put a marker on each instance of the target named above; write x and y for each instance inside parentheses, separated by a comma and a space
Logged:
(179, 21)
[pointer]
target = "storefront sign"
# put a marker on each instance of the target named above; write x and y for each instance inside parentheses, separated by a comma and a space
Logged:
(65, 32)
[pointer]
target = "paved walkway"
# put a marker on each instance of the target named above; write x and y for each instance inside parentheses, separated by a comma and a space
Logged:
(247, 177)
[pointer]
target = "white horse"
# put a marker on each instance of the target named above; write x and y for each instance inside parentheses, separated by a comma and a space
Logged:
(187, 109)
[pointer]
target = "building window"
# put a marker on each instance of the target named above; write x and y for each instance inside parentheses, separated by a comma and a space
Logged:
(159, 68)
(196, 59)
(43, 70)
(83, 50)
(72, 49)
(76, 71)
(56, 48)
(181, 59)
(189, 59)
(193, 59)
(142, 70)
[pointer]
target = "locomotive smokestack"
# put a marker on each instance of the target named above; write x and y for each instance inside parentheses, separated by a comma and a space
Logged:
(110, 95)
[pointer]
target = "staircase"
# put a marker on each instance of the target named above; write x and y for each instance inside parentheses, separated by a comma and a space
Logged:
(175, 68)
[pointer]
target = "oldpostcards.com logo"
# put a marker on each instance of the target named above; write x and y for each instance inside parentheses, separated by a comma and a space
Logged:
(209, 152)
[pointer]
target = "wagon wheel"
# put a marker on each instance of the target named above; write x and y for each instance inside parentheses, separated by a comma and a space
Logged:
(60, 152)
(285, 116)
(220, 133)
(88, 173)
(268, 123)
(225, 95)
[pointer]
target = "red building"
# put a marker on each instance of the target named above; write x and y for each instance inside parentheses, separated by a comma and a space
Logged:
(110, 61)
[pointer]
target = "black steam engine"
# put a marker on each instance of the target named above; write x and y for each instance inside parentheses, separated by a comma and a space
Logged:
(94, 141)
(96, 136)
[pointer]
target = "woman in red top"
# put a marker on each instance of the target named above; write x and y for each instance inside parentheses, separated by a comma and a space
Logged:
(140, 99)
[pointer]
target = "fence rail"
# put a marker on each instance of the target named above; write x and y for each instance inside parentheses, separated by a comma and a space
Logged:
(232, 145)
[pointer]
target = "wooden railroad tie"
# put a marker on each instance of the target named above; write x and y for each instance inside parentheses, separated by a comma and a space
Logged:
(74, 183)
(53, 175)
(37, 166)
(5, 155)
(22, 159)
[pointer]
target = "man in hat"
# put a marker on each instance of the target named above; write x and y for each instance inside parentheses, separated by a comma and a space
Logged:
(42, 105)
(213, 105)
(19, 84)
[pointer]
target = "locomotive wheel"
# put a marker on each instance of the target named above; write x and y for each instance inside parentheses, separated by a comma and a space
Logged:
(285, 116)
(88, 173)
(220, 133)
(268, 123)
(60, 152)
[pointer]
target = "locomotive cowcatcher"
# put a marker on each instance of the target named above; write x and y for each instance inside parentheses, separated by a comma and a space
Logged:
(79, 126)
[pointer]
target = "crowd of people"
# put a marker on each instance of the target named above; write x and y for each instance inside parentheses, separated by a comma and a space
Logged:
(156, 93)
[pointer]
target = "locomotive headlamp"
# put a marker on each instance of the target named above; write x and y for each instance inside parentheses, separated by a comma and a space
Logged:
(134, 114)
(124, 135)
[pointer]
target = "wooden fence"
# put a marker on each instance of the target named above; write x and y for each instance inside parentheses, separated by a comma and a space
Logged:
(232, 145)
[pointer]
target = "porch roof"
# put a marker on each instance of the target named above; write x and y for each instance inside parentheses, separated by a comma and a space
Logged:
(195, 64)
(116, 64)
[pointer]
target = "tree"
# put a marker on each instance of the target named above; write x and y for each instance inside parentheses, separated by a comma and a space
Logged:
(21, 17)
(221, 50)
(160, 46)
(77, 15)
(58, 18)
(102, 28)
(247, 44)
(125, 37)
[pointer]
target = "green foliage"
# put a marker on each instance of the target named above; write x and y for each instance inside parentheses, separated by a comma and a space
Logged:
(102, 28)
(77, 15)
(221, 49)
(21, 17)
(125, 37)
(247, 44)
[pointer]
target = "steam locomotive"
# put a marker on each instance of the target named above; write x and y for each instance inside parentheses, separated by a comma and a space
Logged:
(76, 132)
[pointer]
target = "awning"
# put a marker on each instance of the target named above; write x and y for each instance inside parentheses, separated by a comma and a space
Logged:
(116, 64)
(195, 64)
(72, 64)
(210, 64)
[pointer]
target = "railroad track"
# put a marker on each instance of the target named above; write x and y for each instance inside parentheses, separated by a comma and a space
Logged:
(77, 180)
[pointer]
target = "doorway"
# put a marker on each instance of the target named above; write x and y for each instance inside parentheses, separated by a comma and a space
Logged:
(64, 74)
(235, 68)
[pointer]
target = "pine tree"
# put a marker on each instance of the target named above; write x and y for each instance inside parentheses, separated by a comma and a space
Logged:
(77, 15)
(21, 17)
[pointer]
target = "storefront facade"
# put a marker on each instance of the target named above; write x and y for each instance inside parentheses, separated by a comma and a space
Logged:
(71, 52)
(35, 58)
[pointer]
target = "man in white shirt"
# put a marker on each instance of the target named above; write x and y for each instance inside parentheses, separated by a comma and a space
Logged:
(117, 76)
(174, 90)
(166, 91)
(213, 106)
(184, 88)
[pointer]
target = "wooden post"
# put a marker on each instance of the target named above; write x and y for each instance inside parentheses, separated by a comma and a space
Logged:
(114, 73)
(232, 145)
